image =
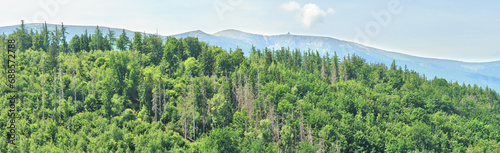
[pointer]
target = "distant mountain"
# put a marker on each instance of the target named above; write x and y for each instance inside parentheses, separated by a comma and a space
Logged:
(483, 74)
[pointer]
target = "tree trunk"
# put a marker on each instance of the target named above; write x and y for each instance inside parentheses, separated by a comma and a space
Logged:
(154, 108)
(301, 127)
(333, 77)
(55, 93)
(74, 84)
(194, 108)
(259, 115)
(203, 102)
(159, 98)
(61, 91)
(42, 80)
(92, 77)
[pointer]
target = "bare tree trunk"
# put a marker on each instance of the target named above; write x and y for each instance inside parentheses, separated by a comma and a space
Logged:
(42, 80)
(164, 98)
(275, 122)
(92, 76)
(238, 92)
(333, 77)
(74, 84)
(309, 135)
(336, 148)
(214, 81)
(321, 148)
(226, 122)
(61, 91)
(344, 71)
(159, 97)
(203, 101)
(154, 108)
(55, 94)
(83, 97)
(183, 113)
(194, 108)
(185, 128)
(301, 128)
(249, 97)
(259, 115)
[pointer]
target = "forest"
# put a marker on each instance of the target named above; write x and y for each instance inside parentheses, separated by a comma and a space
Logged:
(105, 92)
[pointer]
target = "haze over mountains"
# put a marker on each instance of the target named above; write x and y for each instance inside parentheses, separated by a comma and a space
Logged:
(483, 74)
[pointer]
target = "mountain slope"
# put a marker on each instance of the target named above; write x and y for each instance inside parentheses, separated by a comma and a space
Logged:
(482, 74)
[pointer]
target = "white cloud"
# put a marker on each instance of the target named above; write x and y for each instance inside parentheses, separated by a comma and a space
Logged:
(291, 6)
(330, 10)
(309, 15)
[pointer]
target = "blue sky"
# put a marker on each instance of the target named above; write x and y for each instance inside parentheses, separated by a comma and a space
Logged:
(459, 30)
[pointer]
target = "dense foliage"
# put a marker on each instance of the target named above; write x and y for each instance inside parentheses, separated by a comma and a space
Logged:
(182, 95)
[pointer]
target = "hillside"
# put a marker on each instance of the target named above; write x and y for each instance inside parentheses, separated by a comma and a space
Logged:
(183, 95)
(483, 74)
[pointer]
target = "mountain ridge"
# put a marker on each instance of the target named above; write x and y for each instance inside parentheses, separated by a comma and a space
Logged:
(91, 28)
(481, 73)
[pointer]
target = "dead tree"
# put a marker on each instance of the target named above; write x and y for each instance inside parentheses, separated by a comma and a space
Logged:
(258, 116)
(158, 93)
(274, 122)
(164, 98)
(203, 103)
(61, 91)
(238, 91)
(321, 145)
(155, 106)
(55, 93)
(249, 96)
(301, 127)
(194, 107)
(92, 77)
(310, 135)
(74, 83)
(214, 81)
(345, 75)
(183, 113)
(333, 77)
(42, 80)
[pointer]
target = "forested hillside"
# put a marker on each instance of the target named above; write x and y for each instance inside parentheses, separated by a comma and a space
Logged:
(183, 95)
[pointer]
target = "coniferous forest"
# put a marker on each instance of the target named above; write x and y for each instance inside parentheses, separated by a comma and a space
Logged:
(105, 92)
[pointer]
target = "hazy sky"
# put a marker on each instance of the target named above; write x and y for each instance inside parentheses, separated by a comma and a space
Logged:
(460, 30)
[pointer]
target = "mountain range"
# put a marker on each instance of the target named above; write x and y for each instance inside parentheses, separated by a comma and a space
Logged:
(484, 74)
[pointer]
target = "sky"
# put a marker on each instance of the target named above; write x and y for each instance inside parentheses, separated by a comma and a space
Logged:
(461, 30)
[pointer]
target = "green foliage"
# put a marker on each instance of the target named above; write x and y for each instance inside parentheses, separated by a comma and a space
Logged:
(98, 41)
(91, 103)
(192, 46)
(85, 41)
(205, 99)
(171, 55)
(136, 42)
(192, 66)
(75, 44)
(222, 140)
(207, 61)
(153, 47)
(123, 41)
